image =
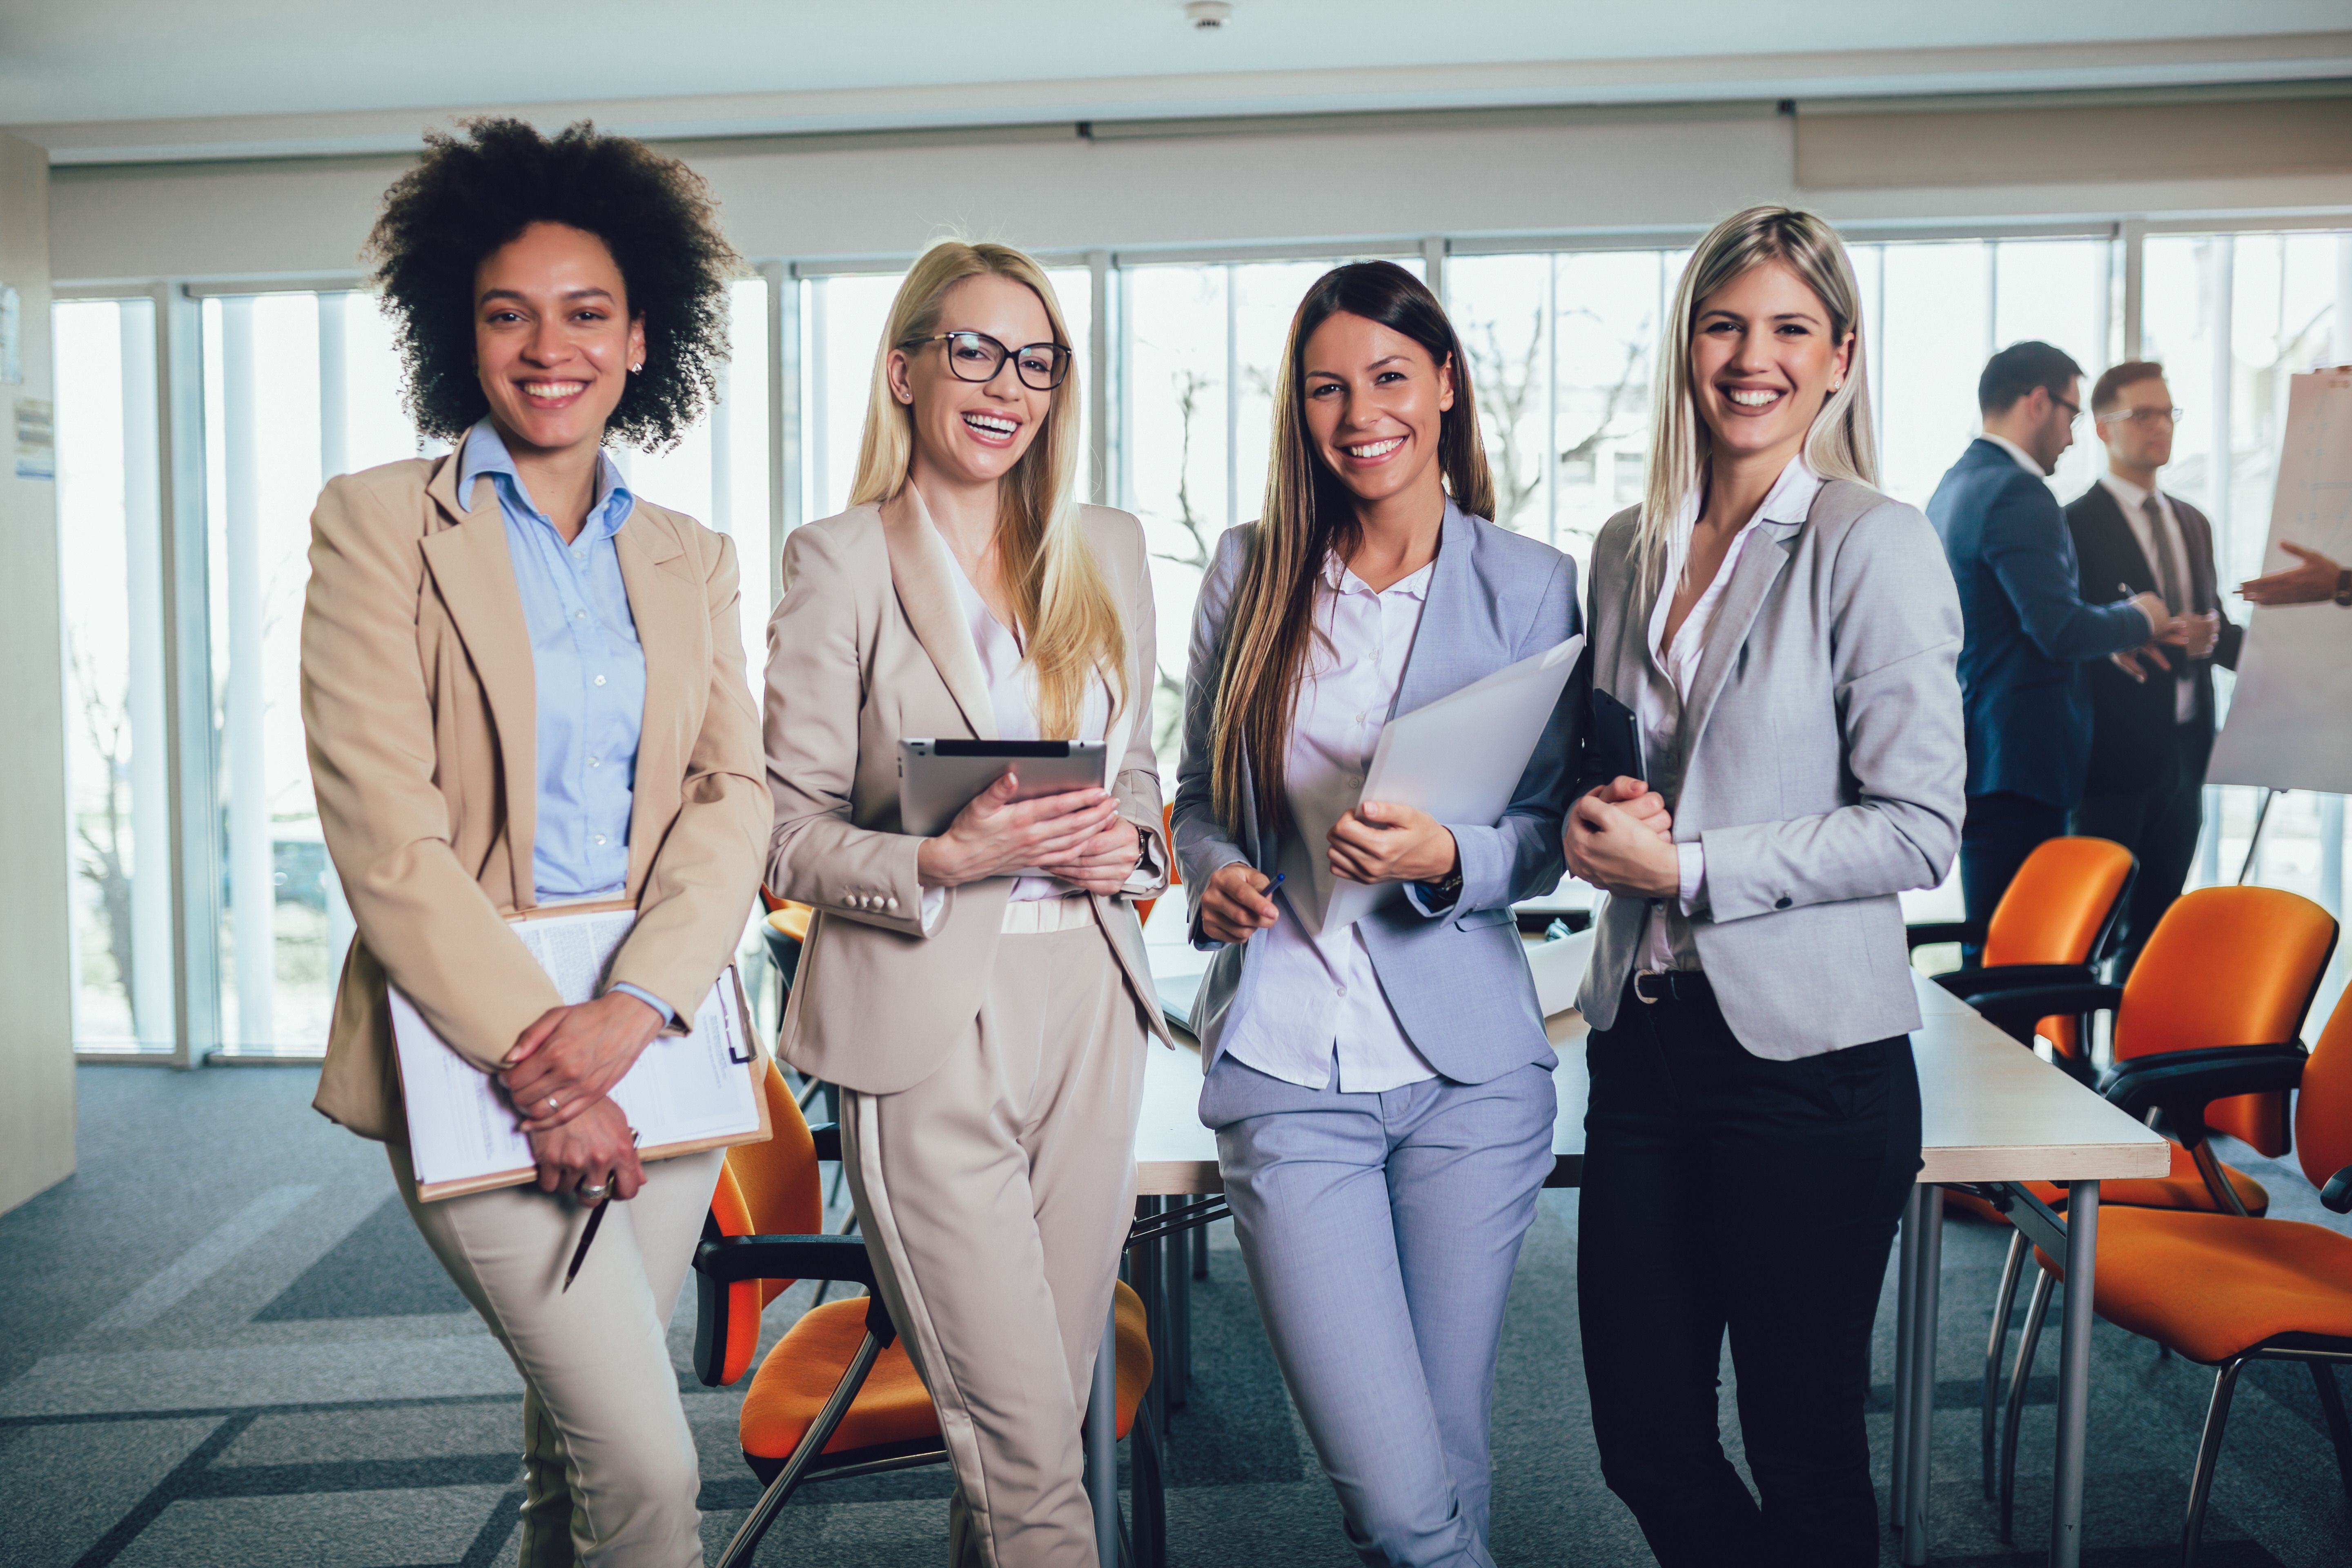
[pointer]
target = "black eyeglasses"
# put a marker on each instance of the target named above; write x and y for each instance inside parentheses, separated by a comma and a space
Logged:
(976, 356)
(2073, 410)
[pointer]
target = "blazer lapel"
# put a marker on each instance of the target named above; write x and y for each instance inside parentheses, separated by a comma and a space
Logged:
(1760, 562)
(1448, 610)
(924, 576)
(474, 575)
(665, 602)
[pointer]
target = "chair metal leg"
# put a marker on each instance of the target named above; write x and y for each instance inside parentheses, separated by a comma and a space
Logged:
(812, 1441)
(2339, 1431)
(2208, 1450)
(1906, 1324)
(1200, 1252)
(1147, 1494)
(2037, 1309)
(2004, 1304)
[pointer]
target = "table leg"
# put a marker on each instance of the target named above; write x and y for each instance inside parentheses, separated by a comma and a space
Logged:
(1102, 1443)
(1906, 1281)
(1176, 1281)
(1929, 1263)
(2075, 1374)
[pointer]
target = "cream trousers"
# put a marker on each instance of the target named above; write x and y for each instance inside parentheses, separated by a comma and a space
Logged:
(994, 1197)
(609, 1469)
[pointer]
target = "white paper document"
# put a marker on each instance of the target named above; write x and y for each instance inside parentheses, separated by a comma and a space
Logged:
(695, 1087)
(1459, 759)
(2286, 727)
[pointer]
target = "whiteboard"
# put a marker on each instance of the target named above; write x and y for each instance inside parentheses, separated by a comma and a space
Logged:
(2290, 723)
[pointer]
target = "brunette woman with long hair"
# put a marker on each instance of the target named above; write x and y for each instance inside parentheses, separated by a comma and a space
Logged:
(1381, 1092)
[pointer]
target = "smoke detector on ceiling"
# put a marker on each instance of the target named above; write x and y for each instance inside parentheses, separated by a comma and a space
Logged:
(1207, 16)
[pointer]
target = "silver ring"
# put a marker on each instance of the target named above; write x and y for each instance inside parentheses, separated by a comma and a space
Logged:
(553, 1103)
(597, 1194)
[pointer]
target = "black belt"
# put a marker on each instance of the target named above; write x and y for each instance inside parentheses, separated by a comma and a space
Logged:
(1653, 986)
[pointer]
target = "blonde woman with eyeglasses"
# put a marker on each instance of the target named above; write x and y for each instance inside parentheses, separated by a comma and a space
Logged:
(1785, 637)
(981, 996)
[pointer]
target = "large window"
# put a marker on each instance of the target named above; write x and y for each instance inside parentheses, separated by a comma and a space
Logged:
(111, 560)
(1562, 345)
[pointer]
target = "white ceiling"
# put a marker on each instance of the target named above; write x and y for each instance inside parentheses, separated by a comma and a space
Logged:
(67, 68)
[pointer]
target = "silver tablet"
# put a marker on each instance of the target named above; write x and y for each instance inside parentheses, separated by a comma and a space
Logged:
(937, 778)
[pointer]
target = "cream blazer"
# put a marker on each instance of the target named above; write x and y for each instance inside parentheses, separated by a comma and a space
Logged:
(869, 646)
(422, 718)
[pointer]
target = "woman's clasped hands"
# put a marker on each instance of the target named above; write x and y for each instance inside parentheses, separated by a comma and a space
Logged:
(1619, 838)
(560, 1076)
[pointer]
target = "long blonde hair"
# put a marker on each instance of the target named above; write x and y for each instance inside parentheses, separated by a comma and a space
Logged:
(1310, 516)
(1840, 445)
(1069, 628)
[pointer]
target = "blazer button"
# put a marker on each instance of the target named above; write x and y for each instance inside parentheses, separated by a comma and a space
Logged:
(1782, 903)
(890, 903)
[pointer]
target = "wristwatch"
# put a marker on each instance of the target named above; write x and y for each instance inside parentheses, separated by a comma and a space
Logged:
(1444, 889)
(2344, 588)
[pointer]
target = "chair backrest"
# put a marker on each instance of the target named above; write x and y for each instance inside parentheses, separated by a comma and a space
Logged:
(775, 1188)
(2323, 1107)
(2060, 902)
(2228, 966)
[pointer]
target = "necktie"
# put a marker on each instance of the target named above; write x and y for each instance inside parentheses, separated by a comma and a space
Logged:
(2168, 577)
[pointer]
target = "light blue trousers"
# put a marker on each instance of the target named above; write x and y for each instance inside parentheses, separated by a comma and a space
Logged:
(1380, 1231)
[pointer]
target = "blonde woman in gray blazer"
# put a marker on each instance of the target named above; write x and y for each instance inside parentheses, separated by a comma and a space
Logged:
(1784, 636)
(987, 1028)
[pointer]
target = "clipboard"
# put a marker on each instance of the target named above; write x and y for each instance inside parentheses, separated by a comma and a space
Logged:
(703, 1090)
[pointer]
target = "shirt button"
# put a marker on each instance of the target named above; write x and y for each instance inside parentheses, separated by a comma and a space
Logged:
(1343, 991)
(596, 838)
(593, 762)
(600, 680)
(579, 614)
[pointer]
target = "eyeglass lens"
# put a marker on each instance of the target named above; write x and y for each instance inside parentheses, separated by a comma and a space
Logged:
(976, 356)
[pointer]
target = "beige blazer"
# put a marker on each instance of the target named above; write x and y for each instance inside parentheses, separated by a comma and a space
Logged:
(869, 646)
(422, 718)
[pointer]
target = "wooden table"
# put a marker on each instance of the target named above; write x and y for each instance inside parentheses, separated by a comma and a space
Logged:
(1993, 1114)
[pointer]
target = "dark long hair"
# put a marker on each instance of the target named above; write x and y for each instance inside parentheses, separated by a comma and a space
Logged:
(1309, 515)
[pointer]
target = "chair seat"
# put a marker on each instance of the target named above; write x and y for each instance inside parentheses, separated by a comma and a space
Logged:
(2212, 1285)
(2181, 1188)
(801, 1372)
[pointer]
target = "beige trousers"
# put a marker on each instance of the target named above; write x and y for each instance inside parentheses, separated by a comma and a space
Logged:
(994, 1197)
(609, 1470)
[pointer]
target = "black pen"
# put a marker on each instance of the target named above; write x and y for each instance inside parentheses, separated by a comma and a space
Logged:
(595, 1220)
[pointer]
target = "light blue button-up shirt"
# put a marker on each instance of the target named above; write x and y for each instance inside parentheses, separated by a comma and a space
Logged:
(590, 672)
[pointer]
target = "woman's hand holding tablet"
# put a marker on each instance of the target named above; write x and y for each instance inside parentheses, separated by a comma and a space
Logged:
(996, 835)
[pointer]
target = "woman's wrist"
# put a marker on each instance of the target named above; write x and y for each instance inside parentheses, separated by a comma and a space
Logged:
(938, 864)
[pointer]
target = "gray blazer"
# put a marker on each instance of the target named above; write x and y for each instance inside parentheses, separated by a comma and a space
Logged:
(1455, 976)
(1818, 762)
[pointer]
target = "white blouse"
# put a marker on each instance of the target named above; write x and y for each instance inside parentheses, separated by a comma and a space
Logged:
(1659, 711)
(1310, 1005)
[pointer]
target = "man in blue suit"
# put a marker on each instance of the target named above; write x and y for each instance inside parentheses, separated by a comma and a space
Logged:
(2028, 631)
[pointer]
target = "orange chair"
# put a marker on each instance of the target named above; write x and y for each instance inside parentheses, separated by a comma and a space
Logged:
(2223, 1290)
(1175, 874)
(837, 1395)
(2054, 921)
(2226, 969)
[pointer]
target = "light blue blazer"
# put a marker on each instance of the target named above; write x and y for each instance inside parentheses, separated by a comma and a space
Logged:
(1456, 976)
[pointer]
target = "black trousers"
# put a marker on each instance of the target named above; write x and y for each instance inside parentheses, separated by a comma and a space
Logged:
(1726, 1192)
(2160, 824)
(1996, 835)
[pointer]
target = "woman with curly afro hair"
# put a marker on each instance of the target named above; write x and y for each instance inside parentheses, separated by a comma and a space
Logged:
(523, 686)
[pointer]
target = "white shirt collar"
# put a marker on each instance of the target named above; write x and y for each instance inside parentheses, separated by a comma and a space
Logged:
(1340, 580)
(2024, 459)
(2132, 497)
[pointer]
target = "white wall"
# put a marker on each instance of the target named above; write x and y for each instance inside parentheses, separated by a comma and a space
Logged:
(1350, 177)
(37, 1086)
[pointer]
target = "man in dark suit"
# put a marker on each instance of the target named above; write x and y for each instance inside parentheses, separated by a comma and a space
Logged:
(2028, 629)
(2151, 723)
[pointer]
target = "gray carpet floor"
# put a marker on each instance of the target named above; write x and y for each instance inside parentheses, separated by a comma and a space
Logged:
(222, 1344)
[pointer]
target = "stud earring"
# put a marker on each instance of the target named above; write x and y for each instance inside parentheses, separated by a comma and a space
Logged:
(636, 367)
